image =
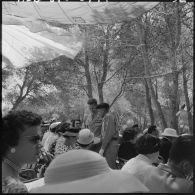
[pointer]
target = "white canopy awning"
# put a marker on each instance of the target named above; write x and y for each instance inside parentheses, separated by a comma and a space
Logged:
(32, 32)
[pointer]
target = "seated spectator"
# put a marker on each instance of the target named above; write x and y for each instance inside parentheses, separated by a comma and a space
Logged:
(168, 136)
(153, 130)
(175, 176)
(76, 123)
(180, 163)
(86, 139)
(147, 147)
(84, 171)
(20, 145)
(130, 123)
(50, 136)
(127, 148)
(68, 141)
(136, 127)
(44, 129)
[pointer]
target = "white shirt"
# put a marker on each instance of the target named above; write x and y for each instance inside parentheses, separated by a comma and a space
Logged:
(35, 184)
(156, 180)
(51, 138)
(136, 165)
(45, 136)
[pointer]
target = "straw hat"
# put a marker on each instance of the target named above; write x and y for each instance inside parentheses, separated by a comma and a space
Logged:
(84, 171)
(169, 132)
(86, 137)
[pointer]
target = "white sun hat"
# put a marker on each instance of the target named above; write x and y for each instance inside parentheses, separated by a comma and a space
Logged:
(169, 132)
(85, 137)
(84, 171)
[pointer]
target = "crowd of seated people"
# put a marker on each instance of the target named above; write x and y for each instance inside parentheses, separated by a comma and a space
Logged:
(65, 158)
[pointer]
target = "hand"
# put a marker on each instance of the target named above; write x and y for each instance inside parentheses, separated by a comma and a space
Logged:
(101, 152)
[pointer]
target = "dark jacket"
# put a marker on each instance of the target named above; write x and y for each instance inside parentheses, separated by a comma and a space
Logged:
(127, 151)
(165, 146)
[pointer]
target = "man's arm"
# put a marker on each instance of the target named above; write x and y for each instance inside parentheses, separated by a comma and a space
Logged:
(109, 130)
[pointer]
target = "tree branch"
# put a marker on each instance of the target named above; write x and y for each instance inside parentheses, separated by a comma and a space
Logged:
(121, 90)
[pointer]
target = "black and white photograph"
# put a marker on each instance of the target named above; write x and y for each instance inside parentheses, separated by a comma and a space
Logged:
(97, 96)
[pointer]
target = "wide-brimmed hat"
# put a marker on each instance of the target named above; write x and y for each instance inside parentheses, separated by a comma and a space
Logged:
(71, 132)
(85, 137)
(169, 132)
(84, 171)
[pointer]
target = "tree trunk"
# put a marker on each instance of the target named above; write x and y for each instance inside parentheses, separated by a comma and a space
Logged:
(18, 102)
(147, 64)
(105, 67)
(88, 76)
(175, 102)
(174, 31)
(87, 72)
(149, 104)
(100, 93)
(174, 96)
(185, 88)
(158, 106)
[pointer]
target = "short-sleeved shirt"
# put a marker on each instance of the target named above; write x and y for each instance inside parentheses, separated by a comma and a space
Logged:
(94, 124)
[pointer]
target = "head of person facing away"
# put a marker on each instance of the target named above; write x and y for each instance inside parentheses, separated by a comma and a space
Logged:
(92, 103)
(85, 139)
(68, 132)
(136, 127)
(149, 146)
(181, 155)
(103, 109)
(130, 135)
(153, 130)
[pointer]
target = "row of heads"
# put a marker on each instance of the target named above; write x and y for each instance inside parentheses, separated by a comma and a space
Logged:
(93, 105)
(182, 147)
(168, 132)
(84, 136)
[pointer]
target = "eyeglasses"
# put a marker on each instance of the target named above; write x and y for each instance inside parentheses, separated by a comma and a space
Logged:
(34, 139)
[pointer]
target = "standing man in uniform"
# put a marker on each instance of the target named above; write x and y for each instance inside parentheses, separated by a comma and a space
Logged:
(94, 123)
(109, 135)
(92, 103)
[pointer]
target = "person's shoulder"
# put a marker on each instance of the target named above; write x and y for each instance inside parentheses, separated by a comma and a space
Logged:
(184, 185)
(12, 185)
(170, 182)
(110, 115)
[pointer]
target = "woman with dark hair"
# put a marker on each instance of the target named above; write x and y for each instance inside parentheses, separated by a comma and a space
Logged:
(147, 147)
(127, 148)
(67, 138)
(153, 130)
(19, 146)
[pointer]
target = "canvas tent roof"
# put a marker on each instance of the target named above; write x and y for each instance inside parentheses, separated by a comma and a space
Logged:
(40, 21)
